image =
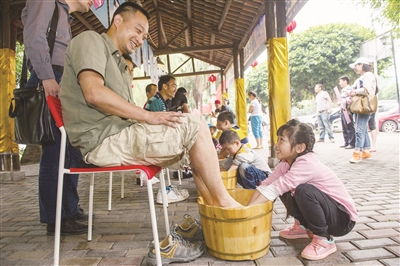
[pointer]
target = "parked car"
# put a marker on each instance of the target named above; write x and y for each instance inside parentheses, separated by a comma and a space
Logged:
(389, 121)
(312, 120)
(386, 105)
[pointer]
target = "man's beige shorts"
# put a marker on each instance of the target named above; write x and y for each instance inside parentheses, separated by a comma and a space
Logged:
(146, 144)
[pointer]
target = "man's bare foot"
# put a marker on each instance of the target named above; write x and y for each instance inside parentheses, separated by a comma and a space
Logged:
(231, 203)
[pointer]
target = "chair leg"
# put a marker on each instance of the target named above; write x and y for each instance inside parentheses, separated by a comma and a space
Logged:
(180, 176)
(57, 230)
(154, 221)
(165, 202)
(122, 185)
(90, 220)
(110, 191)
(163, 188)
(169, 179)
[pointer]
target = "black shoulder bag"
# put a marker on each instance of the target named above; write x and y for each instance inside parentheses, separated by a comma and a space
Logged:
(32, 117)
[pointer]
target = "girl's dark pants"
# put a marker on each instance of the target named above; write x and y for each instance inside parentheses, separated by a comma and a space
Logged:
(317, 211)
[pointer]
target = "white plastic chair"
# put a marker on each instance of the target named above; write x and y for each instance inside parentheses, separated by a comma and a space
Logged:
(150, 171)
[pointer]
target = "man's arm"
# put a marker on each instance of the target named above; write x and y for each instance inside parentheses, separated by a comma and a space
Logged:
(97, 94)
(36, 18)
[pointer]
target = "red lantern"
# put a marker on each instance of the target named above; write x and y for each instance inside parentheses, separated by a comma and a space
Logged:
(292, 25)
(254, 64)
(212, 78)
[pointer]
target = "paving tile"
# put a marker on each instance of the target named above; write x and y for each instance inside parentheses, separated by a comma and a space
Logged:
(350, 236)
(94, 245)
(373, 243)
(81, 261)
(391, 262)
(369, 254)
(133, 261)
(386, 218)
(379, 233)
(345, 246)
(21, 255)
(294, 261)
(381, 225)
(115, 238)
(395, 250)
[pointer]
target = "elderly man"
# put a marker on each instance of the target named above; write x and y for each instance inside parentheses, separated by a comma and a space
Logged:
(113, 131)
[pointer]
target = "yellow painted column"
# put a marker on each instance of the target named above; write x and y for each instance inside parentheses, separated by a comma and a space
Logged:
(7, 81)
(278, 86)
(241, 112)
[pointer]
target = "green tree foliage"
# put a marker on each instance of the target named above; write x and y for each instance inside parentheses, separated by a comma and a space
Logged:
(388, 12)
(257, 80)
(322, 54)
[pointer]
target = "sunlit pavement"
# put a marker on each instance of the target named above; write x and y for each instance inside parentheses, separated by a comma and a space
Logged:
(122, 235)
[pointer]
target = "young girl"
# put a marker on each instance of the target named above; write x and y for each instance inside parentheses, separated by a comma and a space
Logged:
(310, 191)
(255, 110)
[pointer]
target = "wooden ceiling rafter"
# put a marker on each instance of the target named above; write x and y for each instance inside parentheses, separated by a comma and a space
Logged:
(203, 28)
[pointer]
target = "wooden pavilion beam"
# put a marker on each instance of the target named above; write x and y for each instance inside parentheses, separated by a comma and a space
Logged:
(160, 26)
(192, 49)
(189, 17)
(176, 36)
(199, 26)
(83, 21)
(220, 24)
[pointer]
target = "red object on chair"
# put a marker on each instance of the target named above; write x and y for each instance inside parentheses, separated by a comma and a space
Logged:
(150, 171)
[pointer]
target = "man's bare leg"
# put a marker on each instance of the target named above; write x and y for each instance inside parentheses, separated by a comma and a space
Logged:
(204, 162)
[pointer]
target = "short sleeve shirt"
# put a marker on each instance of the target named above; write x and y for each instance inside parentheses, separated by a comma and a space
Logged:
(87, 126)
(257, 110)
(322, 100)
(247, 155)
(177, 102)
(157, 104)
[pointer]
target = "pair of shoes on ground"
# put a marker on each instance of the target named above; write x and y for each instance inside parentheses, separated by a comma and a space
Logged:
(358, 155)
(258, 148)
(319, 248)
(321, 140)
(173, 194)
(69, 226)
(347, 146)
(182, 245)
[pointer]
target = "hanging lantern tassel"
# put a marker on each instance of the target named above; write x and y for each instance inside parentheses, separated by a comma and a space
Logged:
(291, 27)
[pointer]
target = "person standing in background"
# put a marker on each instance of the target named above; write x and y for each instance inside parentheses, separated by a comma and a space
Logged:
(180, 103)
(151, 90)
(48, 69)
(365, 84)
(255, 110)
(347, 128)
(324, 106)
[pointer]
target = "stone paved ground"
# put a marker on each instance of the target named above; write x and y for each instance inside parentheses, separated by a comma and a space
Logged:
(122, 235)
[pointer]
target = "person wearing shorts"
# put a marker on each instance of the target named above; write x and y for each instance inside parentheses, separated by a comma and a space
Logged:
(109, 130)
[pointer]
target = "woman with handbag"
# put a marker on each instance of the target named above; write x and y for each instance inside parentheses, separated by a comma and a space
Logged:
(365, 85)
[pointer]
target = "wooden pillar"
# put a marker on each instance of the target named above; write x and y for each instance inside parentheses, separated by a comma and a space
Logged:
(281, 18)
(270, 19)
(241, 60)
(235, 60)
(9, 156)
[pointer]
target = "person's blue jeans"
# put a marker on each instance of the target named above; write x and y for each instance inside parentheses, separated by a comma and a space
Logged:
(256, 127)
(324, 125)
(48, 173)
(249, 176)
(361, 126)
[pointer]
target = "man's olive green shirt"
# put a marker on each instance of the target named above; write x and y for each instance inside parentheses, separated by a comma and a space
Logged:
(86, 125)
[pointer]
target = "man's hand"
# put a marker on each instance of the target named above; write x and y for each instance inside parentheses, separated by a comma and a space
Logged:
(51, 87)
(167, 118)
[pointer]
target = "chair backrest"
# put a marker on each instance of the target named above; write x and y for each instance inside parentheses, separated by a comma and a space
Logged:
(55, 109)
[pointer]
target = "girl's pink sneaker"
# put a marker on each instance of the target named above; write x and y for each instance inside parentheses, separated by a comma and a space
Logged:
(319, 248)
(297, 231)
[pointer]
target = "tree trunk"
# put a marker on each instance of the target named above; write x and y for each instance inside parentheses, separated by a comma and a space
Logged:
(31, 155)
